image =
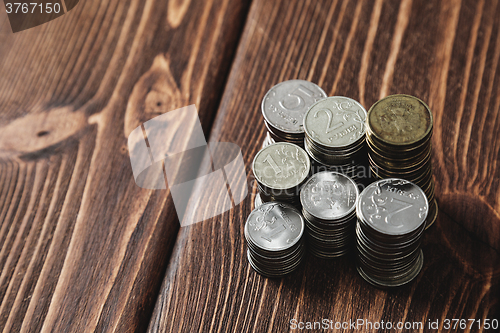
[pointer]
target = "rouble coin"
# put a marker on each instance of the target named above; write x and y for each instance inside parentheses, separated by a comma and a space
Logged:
(285, 105)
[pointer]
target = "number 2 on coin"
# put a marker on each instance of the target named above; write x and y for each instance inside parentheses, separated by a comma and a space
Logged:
(405, 205)
(329, 126)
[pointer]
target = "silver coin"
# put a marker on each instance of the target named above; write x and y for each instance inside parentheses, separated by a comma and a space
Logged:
(411, 274)
(288, 200)
(335, 122)
(393, 206)
(386, 247)
(272, 273)
(389, 273)
(277, 266)
(272, 253)
(391, 220)
(267, 141)
(285, 104)
(338, 154)
(258, 201)
(385, 259)
(281, 166)
(335, 161)
(329, 195)
(282, 260)
(329, 254)
(274, 226)
(330, 228)
(275, 138)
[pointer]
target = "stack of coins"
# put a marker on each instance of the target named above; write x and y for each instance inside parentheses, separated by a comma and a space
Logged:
(273, 233)
(391, 219)
(284, 107)
(335, 135)
(280, 170)
(328, 206)
(399, 135)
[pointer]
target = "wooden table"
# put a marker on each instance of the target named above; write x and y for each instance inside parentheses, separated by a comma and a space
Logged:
(83, 248)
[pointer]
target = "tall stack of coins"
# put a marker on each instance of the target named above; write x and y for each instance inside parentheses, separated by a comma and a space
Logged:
(391, 219)
(284, 107)
(328, 206)
(335, 135)
(273, 233)
(399, 135)
(280, 170)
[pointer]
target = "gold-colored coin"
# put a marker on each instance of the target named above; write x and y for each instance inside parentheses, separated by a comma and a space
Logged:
(400, 120)
(402, 161)
(412, 170)
(400, 151)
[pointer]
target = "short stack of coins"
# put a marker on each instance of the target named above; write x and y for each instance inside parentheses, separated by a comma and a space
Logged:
(399, 131)
(391, 220)
(273, 233)
(280, 170)
(284, 107)
(329, 207)
(335, 135)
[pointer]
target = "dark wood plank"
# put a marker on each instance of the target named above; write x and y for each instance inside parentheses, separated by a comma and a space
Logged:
(445, 52)
(82, 247)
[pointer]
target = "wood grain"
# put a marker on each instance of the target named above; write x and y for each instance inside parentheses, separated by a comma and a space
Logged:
(82, 247)
(444, 52)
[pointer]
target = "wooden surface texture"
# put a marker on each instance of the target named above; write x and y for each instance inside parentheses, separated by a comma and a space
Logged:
(84, 249)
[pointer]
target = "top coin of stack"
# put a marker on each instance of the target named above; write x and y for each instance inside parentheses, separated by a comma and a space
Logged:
(328, 206)
(399, 131)
(284, 107)
(335, 134)
(280, 170)
(274, 238)
(391, 219)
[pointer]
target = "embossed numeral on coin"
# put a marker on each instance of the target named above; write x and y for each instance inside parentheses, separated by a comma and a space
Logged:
(273, 164)
(274, 232)
(329, 127)
(297, 98)
(404, 204)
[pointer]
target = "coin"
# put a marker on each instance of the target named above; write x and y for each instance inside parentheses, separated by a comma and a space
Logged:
(273, 232)
(335, 135)
(281, 166)
(267, 141)
(393, 206)
(391, 217)
(285, 105)
(329, 196)
(274, 226)
(393, 283)
(400, 120)
(258, 201)
(328, 205)
(399, 131)
(280, 169)
(271, 273)
(335, 122)
(299, 141)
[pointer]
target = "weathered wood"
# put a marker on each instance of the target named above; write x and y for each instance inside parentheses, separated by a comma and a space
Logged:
(82, 247)
(445, 52)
